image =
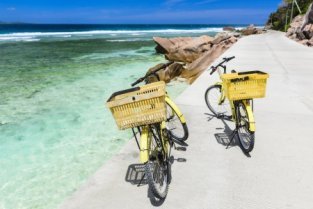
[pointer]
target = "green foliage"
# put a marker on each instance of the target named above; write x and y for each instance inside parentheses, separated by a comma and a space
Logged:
(277, 20)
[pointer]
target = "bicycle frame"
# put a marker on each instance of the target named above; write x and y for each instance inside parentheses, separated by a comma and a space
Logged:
(245, 102)
(145, 140)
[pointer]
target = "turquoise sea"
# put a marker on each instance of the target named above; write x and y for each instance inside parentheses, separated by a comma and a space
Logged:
(55, 130)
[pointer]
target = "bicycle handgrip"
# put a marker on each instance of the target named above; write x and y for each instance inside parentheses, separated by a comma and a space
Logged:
(230, 58)
(136, 82)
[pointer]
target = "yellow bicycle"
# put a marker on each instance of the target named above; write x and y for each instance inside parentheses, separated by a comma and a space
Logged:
(145, 108)
(233, 99)
(175, 121)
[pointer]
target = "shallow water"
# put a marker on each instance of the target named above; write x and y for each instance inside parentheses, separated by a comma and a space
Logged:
(55, 129)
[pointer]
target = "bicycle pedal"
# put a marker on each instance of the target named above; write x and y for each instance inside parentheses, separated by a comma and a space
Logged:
(181, 160)
(181, 149)
(228, 117)
(181, 143)
(219, 116)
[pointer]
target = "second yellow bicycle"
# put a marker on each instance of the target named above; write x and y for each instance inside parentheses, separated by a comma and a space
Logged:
(233, 99)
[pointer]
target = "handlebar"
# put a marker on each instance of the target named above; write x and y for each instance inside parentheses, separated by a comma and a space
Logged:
(151, 73)
(225, 59)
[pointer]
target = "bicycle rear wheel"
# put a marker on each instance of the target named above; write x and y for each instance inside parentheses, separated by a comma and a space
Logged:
(178, 129)
(246, 137)
(213, 100)
(157, 169)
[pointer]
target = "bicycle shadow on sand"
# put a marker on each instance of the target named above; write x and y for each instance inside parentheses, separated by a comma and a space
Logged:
(225, 137)
(135, 175)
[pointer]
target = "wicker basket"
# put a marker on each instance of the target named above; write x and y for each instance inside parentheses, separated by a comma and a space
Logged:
(139, 106)
(245, 85)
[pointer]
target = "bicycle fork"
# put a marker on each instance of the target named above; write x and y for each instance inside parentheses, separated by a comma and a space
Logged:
(248, 106)
(145, 142)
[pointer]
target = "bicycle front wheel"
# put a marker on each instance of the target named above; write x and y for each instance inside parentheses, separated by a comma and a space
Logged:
(219, 106)
(246, 137)
(178, 129)
(158, 168)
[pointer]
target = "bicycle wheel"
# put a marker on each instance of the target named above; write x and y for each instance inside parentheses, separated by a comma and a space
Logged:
(178, 129)
(157, 169)
(212, 98)
(246, 137)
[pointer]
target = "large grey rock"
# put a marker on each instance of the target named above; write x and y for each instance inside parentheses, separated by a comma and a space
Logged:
(229, 29)
(196, 54)
(250, 30)
(310, 42)
(300, 35)
(220, 37)
(191, 50)
(297, 33)
(166, 45)
(196, 68)
(166, 74)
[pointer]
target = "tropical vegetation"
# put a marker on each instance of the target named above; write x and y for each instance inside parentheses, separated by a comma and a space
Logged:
(281, 19)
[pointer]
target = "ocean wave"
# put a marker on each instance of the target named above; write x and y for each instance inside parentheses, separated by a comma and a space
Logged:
(18, 38)
(109, 32)
(34, 36)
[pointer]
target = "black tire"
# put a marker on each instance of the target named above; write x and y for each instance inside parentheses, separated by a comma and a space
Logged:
(157, 169)
(158, 178)
(178, 129)
(212, 97)
(245, 136)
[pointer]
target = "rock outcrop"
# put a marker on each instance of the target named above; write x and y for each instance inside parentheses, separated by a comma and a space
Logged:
(193, 70)
(302, 35)
(184, 49)
(167, 74)
(164, 45)
(230, 29)
(251, 30)
(192, 56)
(196, 54)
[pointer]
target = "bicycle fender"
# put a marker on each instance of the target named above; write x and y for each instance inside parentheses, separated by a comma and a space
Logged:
(219, 83)
(144, 145)
(164, 138)
(250, 116)
(176, 109)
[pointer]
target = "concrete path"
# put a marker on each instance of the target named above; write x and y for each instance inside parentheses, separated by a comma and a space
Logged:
(279, 172)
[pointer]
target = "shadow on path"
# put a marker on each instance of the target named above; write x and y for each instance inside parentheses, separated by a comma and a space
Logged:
(225, 137)
(135, 175)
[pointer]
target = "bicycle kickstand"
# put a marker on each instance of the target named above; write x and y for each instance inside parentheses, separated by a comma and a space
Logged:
(233, 134)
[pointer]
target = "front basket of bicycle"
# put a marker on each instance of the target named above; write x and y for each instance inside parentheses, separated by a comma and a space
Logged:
(245, 85)
(139, 106)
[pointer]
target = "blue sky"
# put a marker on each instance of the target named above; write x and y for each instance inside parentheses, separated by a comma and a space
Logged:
(137, 11)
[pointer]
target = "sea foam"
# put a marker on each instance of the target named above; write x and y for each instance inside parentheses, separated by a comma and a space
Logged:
(33, 36)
